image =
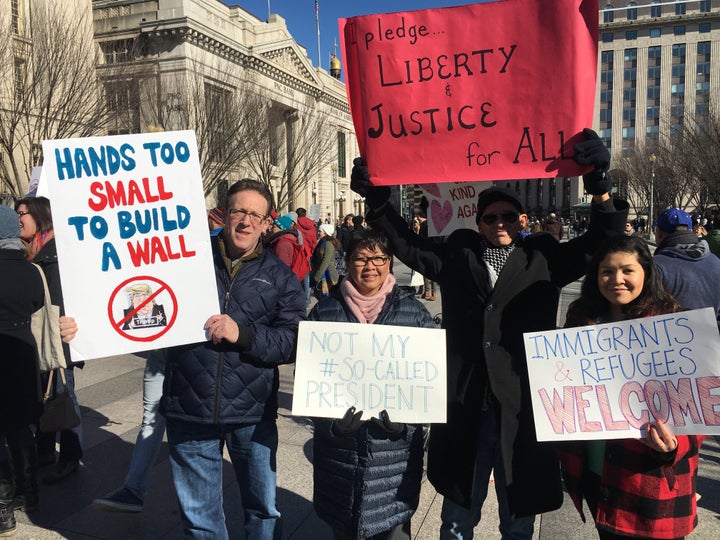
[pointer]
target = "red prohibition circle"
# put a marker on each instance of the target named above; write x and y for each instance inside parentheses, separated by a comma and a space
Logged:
(162, 286)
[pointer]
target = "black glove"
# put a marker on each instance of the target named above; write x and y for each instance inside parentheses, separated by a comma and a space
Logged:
(375, 196)
(593, 152)
(384, 422)
(349, 423)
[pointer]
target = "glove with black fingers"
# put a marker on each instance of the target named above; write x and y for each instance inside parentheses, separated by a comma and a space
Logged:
(383, 421)
(349, 423)
(375, 196)
(592, 151)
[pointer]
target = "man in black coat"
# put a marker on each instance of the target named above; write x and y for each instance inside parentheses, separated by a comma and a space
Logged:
(496, 286)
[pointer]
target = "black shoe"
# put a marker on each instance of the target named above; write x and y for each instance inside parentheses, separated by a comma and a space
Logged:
(25, 462)
(7, 519)
(62, 470)
(122, 500)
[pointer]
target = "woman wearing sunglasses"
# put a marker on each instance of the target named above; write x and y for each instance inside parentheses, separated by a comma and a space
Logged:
(495, 286)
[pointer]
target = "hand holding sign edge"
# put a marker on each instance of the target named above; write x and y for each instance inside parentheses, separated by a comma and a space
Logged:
(375, 196)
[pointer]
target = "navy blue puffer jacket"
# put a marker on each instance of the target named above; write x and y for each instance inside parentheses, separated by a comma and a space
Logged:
(227, 384)
(368, 481)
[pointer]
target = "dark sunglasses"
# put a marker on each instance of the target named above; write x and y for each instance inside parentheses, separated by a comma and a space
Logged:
(505, 217)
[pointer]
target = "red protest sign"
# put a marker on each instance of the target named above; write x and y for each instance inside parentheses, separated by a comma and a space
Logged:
(492, 91)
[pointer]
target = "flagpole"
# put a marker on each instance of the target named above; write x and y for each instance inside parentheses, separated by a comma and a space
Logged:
(268, 10)
(317, 28)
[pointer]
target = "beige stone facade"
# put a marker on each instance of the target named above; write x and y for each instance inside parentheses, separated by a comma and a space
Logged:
(159, 48)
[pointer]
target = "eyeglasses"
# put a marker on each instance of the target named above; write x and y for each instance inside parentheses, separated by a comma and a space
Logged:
(505, 217)
(237, 214)
(377, 260)
(21, 213)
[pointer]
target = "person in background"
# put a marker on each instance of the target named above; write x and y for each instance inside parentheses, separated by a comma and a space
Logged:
(488, 278)
(554, 226)
(685, 263)
(36, 229)
(428, 284)
(282, 239)
(323, 269)
(379, 490)
(221, 394)
(21, 294)
(306, 227)
(216, 219)
(130, 496)
(629, 229)
(635, 488)
(344, 232)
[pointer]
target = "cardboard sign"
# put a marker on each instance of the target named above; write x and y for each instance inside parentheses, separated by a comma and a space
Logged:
(609, 380)
(492, 91)
(451, 206)
(132, 240)
(372, 367)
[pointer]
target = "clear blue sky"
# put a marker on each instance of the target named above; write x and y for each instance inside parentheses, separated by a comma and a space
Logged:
(300, 17)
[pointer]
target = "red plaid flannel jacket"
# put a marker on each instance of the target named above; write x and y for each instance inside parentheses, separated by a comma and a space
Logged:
(640, 494)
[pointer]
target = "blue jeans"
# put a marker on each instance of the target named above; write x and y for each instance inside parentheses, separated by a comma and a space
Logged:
(306, 287)
(70, 439)
(458, 522)
(196, 458)
(149, 439)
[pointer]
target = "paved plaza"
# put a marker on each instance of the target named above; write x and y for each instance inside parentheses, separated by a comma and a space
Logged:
(110, 393)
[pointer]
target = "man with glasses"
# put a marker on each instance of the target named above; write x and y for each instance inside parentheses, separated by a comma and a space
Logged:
(495, 286)
(222, 393)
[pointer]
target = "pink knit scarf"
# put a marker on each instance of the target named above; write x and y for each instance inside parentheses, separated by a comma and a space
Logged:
(366, 308)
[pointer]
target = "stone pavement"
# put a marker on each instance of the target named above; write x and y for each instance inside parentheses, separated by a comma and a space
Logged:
(110, 393)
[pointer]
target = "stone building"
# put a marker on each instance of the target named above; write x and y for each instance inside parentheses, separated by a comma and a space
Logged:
(174, 64)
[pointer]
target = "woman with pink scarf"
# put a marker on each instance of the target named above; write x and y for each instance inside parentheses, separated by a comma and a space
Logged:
(367, 474)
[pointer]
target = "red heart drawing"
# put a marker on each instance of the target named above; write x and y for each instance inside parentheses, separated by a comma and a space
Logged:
(441, 216)
(432, 189)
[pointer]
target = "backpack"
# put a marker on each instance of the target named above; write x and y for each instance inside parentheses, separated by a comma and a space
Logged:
(301, 260)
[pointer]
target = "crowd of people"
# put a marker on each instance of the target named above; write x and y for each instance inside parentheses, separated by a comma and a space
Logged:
(273, 271)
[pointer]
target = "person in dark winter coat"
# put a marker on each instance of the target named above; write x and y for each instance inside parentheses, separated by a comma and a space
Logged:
(36, 228)
(688, 268)
(21, 294)
(222, 393)
(495, 286)
(635, 488)
(378, 490)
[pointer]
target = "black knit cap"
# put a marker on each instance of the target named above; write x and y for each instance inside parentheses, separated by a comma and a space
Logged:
(496, 194)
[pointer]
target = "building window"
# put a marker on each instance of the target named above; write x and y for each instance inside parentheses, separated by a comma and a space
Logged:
(704, 6)
(608, 13)
(704, 28)
(19, 79)
(655, 32)
(679, 30)
(342, 166)
(608, 37)
(118, 51)
(680, 7)
(16, 18)
(656, 9)
(632, 11)
(631, 35)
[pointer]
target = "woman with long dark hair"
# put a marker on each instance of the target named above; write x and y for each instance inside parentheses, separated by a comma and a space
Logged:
(637, 488)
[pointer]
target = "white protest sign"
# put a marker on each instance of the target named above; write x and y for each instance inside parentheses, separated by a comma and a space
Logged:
(608, 381)
(372, 367)
(451, 206)
(37, 186)
(314, 212)
(132, 240)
